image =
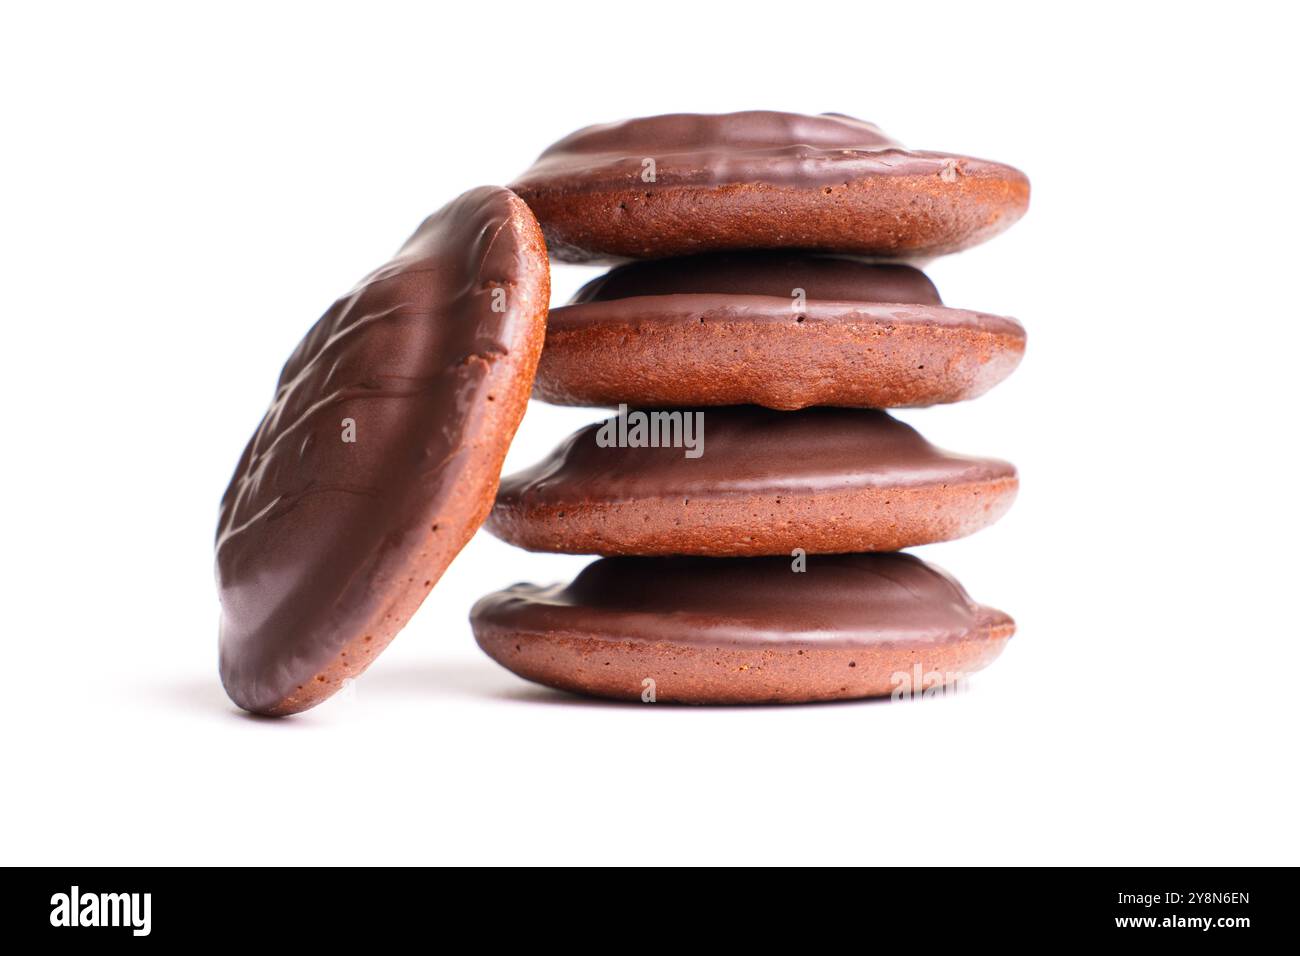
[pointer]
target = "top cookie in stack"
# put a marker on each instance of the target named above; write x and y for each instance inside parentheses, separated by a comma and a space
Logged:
(685, 184)
(778, 269)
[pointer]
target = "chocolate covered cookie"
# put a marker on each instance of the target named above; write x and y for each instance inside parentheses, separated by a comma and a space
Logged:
(744, 630)
(687, 183)
(380, 453)
(784, 330)
(748, 481)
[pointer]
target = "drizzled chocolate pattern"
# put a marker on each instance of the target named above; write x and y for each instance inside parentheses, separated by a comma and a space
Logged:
(380, 453)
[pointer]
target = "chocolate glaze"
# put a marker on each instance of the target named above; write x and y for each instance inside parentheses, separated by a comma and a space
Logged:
(747, 147)
(839, 600)
(317, 534)
(750, 450)
(776, 274)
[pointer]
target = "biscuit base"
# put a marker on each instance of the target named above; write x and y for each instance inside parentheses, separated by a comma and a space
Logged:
(888, 216)
(758, 352)
(787, 672)
(838, 522)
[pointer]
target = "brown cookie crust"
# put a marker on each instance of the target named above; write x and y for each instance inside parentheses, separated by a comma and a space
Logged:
(913, 217)
(595, 666)
(828, 522)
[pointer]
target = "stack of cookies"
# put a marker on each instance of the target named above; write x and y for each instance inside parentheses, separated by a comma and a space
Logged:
(750, 498)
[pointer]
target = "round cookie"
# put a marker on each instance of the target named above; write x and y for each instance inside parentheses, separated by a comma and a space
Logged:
(687, 183)
(744, 630)
(827, 480)
(380, 454)
(784, 330)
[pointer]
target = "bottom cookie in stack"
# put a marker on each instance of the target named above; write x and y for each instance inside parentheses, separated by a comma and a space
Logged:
(744, 630)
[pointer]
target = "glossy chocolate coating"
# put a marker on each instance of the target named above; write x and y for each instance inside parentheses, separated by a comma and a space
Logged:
(713, 149)
(686, 184)
(838, 599)
(775, 274)
(325, 546)
(749, 450)
(743, 630)
(762, 482)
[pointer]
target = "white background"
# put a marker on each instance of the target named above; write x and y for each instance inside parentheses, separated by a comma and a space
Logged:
(184, 193)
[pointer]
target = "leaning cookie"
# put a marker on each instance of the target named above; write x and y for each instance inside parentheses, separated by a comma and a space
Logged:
(380, 454)
(784, 330)
(748, 481)
(686, 183)
(744, 630)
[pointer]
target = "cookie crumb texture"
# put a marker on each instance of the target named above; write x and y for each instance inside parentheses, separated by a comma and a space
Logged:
(617, 670)
(755, 350)
(779, 329)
